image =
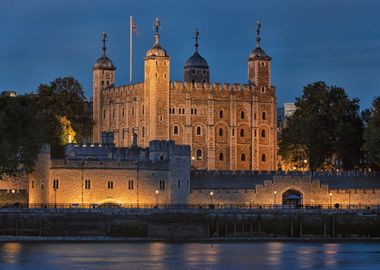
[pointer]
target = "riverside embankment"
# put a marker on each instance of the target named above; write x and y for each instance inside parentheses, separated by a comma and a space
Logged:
(190, 223)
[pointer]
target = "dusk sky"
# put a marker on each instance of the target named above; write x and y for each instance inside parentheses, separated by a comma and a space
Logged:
(334, 41)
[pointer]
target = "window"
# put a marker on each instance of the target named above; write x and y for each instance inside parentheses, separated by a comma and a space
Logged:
(156, 63)
(130, 184)
(221, 114)
(161, 118)
(32, 184)
(193, 72)
(113, 113)
(179, 183)
(142, 132)
(193, 81)
(242, 133)
(142, 109)
(55, 184)
(242, 157)
(263, 64)
(110, 184)
(162, 184)
(175, 130)
(255, 133)
(108, 83)
(242, 115)
(204, 72)
(262, 89)
(264, 116)
(221, 132)
(133, 110)
(104, 114)
(221, 156)
(122, 112)
(199, 131)
(198, 154)
(162, 157)
(122, 133)
(87, 184)
(102, 82)
(263, 135)
(263, 158)
(233, 132)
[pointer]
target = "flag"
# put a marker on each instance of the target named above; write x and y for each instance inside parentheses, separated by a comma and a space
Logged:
(134, 28)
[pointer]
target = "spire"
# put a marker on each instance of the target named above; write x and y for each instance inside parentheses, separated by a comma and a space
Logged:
(157, 27)
(104, 38)
(196, 39)
(258, 28)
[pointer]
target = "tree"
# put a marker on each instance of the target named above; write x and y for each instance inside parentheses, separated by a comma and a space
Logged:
(372, 133)
(326, 124)
(63, 103)
(21, 134)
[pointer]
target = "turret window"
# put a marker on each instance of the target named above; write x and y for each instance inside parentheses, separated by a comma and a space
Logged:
(175, 130)
(242, 115)
(263, 158)
(221, 156)
(199, 130)
(204, 72)
(220, 132)
(262, 89)
(242, 157)
(199, 154)
(264, 116)
(221, 114)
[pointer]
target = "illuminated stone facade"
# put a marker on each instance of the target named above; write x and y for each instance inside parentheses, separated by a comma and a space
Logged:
(228, 126)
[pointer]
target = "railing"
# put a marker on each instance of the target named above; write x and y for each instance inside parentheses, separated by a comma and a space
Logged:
(279, 207)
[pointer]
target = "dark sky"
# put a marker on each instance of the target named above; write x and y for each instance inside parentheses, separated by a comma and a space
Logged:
(334, 41)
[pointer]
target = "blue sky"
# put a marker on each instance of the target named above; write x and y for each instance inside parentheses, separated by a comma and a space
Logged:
(337, 41)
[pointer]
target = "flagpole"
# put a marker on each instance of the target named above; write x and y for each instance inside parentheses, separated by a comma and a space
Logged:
(130, 49)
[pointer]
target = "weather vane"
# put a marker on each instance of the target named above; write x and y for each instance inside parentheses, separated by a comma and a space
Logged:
(104, 38)
(196, 39)
(258, 29)
(157, 25)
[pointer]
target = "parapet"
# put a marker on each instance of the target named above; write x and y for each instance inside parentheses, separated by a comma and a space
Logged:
(227, 87)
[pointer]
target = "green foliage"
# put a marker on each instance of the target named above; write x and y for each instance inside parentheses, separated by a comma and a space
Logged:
(326, 123)
(20, 134)
(372, 133)
(64, 98)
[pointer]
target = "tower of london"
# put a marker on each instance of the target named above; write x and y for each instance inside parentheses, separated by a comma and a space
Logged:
(228, 126)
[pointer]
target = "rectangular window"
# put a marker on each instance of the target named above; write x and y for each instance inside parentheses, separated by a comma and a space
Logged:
(87, 184)
(179, 183)
(104, 114)
(110, 184)
(55, 184)
(130, 184)
(32, 184)
(162, 185)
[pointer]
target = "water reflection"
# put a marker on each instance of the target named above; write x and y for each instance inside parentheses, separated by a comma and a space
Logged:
(156, 255)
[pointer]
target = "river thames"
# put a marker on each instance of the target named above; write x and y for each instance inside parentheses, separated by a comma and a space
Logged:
(157, 255)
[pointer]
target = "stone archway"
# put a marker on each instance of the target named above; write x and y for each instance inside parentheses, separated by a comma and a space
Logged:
(292, 197)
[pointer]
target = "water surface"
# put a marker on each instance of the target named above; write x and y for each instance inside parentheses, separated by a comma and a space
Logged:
(160, 256)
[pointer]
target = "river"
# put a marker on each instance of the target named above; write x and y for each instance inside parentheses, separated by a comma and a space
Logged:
(164, 256)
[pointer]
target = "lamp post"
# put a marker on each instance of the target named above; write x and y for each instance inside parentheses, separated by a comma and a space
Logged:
(55, 197)
(330, 194)
(13, 200)
(211, 194)
(305, 165)
(275, 197)
(157, 192)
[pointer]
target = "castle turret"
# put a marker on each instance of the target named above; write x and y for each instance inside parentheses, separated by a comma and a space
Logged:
(156, 90)
(259, 64)
(103, 77)
(196, 67)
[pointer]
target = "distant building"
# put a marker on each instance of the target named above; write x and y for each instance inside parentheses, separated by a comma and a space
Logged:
(9, 93)
(289, 109)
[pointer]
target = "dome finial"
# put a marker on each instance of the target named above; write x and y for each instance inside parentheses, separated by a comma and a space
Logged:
(196, 39)
(157, 25)
(258, 28)
(104, 38)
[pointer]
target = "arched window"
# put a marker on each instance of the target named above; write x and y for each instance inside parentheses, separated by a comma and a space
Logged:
(175, 130)
(199, 130)
(221, 156)
(162, 157)
(143, 132)
(262, 89)
(142, 109)
(264, 115)
(242, 157)
(199, 154)
(133, 110)
(242, 133)
(220, 132)
(221, 114)
(242, 115)
(263, 158)
(263, 133)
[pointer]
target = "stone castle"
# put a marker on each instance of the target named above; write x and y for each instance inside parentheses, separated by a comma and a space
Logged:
(228, 126)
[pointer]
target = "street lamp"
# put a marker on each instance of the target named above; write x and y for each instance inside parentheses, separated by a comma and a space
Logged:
(211, 194)
(275, 197)
(305, 164)
(13, 192)
(157, 197)
(330, 198)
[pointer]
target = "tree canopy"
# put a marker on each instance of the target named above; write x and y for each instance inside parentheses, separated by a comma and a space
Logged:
(372, 133)
(326, 124)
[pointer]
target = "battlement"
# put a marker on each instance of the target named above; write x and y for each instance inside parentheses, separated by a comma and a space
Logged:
(123, 89)
(169, 146)
(188, 86)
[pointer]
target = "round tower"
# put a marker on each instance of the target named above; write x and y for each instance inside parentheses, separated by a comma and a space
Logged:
(196, 67)
(103, 77)
(156, 90)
